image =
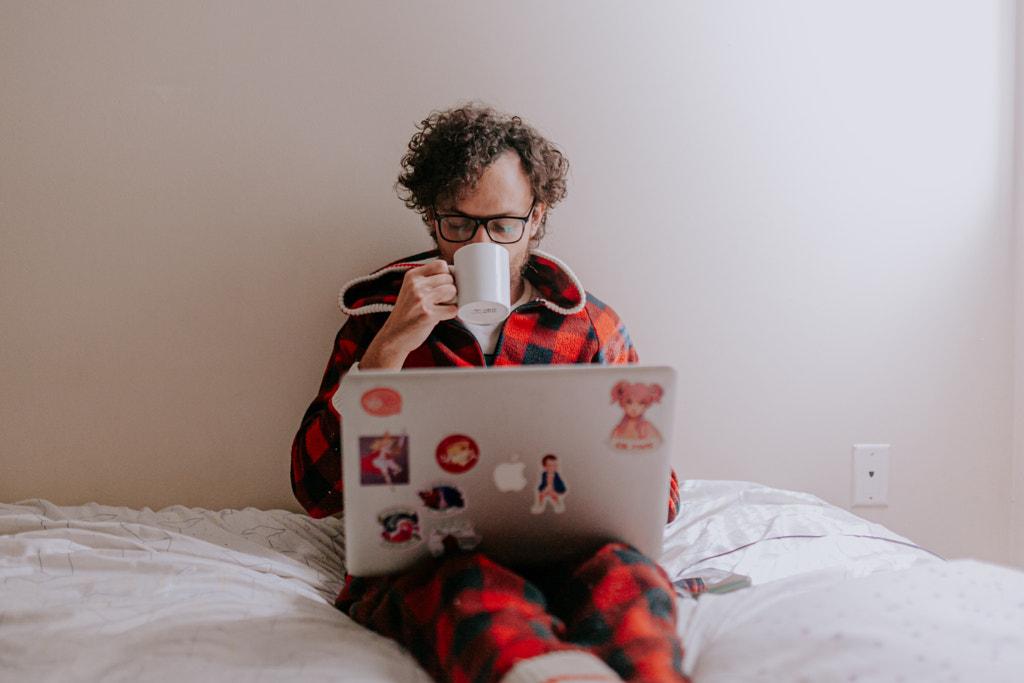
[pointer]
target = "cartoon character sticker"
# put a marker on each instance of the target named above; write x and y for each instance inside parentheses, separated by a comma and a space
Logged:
(384, 460)
(443, 499)
(401, 526)
(634, 431)
(552, 488)
(457, 454)
(453, 537)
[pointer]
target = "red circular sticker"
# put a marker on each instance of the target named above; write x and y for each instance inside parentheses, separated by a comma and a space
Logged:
(457, 454)
(382, 402)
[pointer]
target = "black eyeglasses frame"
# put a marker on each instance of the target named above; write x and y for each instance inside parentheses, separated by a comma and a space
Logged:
(484, 222)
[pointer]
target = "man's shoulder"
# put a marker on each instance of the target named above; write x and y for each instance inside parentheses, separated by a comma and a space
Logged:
(599, 311)
(594, 303)
(611, 332)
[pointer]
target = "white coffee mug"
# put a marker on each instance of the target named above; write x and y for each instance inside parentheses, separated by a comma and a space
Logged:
(482, 280)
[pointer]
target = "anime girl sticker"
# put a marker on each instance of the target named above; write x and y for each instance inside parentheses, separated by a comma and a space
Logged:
(552, 488)
(634, 431)
(384, 460)
(401, 526)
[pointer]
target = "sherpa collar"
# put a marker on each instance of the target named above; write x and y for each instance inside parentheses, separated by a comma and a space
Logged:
(559, 288)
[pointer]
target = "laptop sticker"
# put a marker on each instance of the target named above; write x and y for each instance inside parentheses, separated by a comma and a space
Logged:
(552, 488)
(443, 499)
(401, 526)
(508, 475)
(381, 402)
(635, 432)
(457, 453)
(453, 536)
(384, 460)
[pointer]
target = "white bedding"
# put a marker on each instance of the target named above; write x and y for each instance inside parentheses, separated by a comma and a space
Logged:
(96, 593)
(835, 598)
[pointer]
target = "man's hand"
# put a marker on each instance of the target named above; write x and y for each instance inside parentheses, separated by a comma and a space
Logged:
(426, 298)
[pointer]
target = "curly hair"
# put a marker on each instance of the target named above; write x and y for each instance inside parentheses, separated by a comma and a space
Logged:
(452, 149)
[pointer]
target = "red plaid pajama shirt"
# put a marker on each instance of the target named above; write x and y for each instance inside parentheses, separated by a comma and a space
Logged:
(467, 618)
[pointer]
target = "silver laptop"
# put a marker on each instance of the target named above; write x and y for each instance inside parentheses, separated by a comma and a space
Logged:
(528, 464)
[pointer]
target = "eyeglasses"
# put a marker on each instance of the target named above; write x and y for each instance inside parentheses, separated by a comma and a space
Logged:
(457, 227)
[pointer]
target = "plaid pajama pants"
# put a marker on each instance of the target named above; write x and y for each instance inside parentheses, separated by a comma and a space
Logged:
(467, 619)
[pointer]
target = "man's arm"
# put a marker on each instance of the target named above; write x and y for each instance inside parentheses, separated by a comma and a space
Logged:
(316, 451)
(615, 346)
(673, 497)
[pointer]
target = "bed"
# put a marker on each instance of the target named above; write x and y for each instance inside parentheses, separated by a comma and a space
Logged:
(98, 593)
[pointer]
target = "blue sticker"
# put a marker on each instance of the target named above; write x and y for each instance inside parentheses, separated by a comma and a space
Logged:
(443, 499)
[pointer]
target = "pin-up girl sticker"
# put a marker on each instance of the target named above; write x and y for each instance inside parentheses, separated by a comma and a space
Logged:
(401, 526)
(552, 489)
(384, 459)
(635, 432)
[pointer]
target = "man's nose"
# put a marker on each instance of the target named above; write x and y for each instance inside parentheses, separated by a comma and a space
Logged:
(481, 235)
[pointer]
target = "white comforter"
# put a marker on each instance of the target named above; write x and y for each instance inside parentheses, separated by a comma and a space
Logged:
(95, 593)
(835, 598)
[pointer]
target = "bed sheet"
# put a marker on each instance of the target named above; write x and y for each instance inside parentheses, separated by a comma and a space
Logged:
(96, 593)
(835, 598)
(944, 622)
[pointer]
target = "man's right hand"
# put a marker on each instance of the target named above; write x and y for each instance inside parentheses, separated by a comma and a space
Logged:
(426, 298)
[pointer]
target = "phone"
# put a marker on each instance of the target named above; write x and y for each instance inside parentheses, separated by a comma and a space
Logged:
(710, 581)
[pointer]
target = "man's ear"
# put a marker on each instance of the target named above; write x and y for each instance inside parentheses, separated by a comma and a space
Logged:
(538, 218)
(429, 219)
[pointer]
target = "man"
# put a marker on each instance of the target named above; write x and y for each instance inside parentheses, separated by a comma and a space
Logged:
(475, 175)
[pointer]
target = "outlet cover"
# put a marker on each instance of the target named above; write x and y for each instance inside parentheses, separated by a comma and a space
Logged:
(871, 475)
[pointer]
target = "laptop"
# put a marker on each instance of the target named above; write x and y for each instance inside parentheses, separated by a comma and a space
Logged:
(527, 464)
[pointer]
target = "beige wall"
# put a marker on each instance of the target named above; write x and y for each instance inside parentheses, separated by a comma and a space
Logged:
(1017, 510)
(805, 207)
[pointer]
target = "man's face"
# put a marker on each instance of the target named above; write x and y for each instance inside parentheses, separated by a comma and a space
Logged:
(503, 190)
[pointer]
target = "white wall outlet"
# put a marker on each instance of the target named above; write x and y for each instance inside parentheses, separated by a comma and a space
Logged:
(871, 475)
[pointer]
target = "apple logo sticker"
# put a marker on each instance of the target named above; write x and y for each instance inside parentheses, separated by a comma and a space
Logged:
(508, 476)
